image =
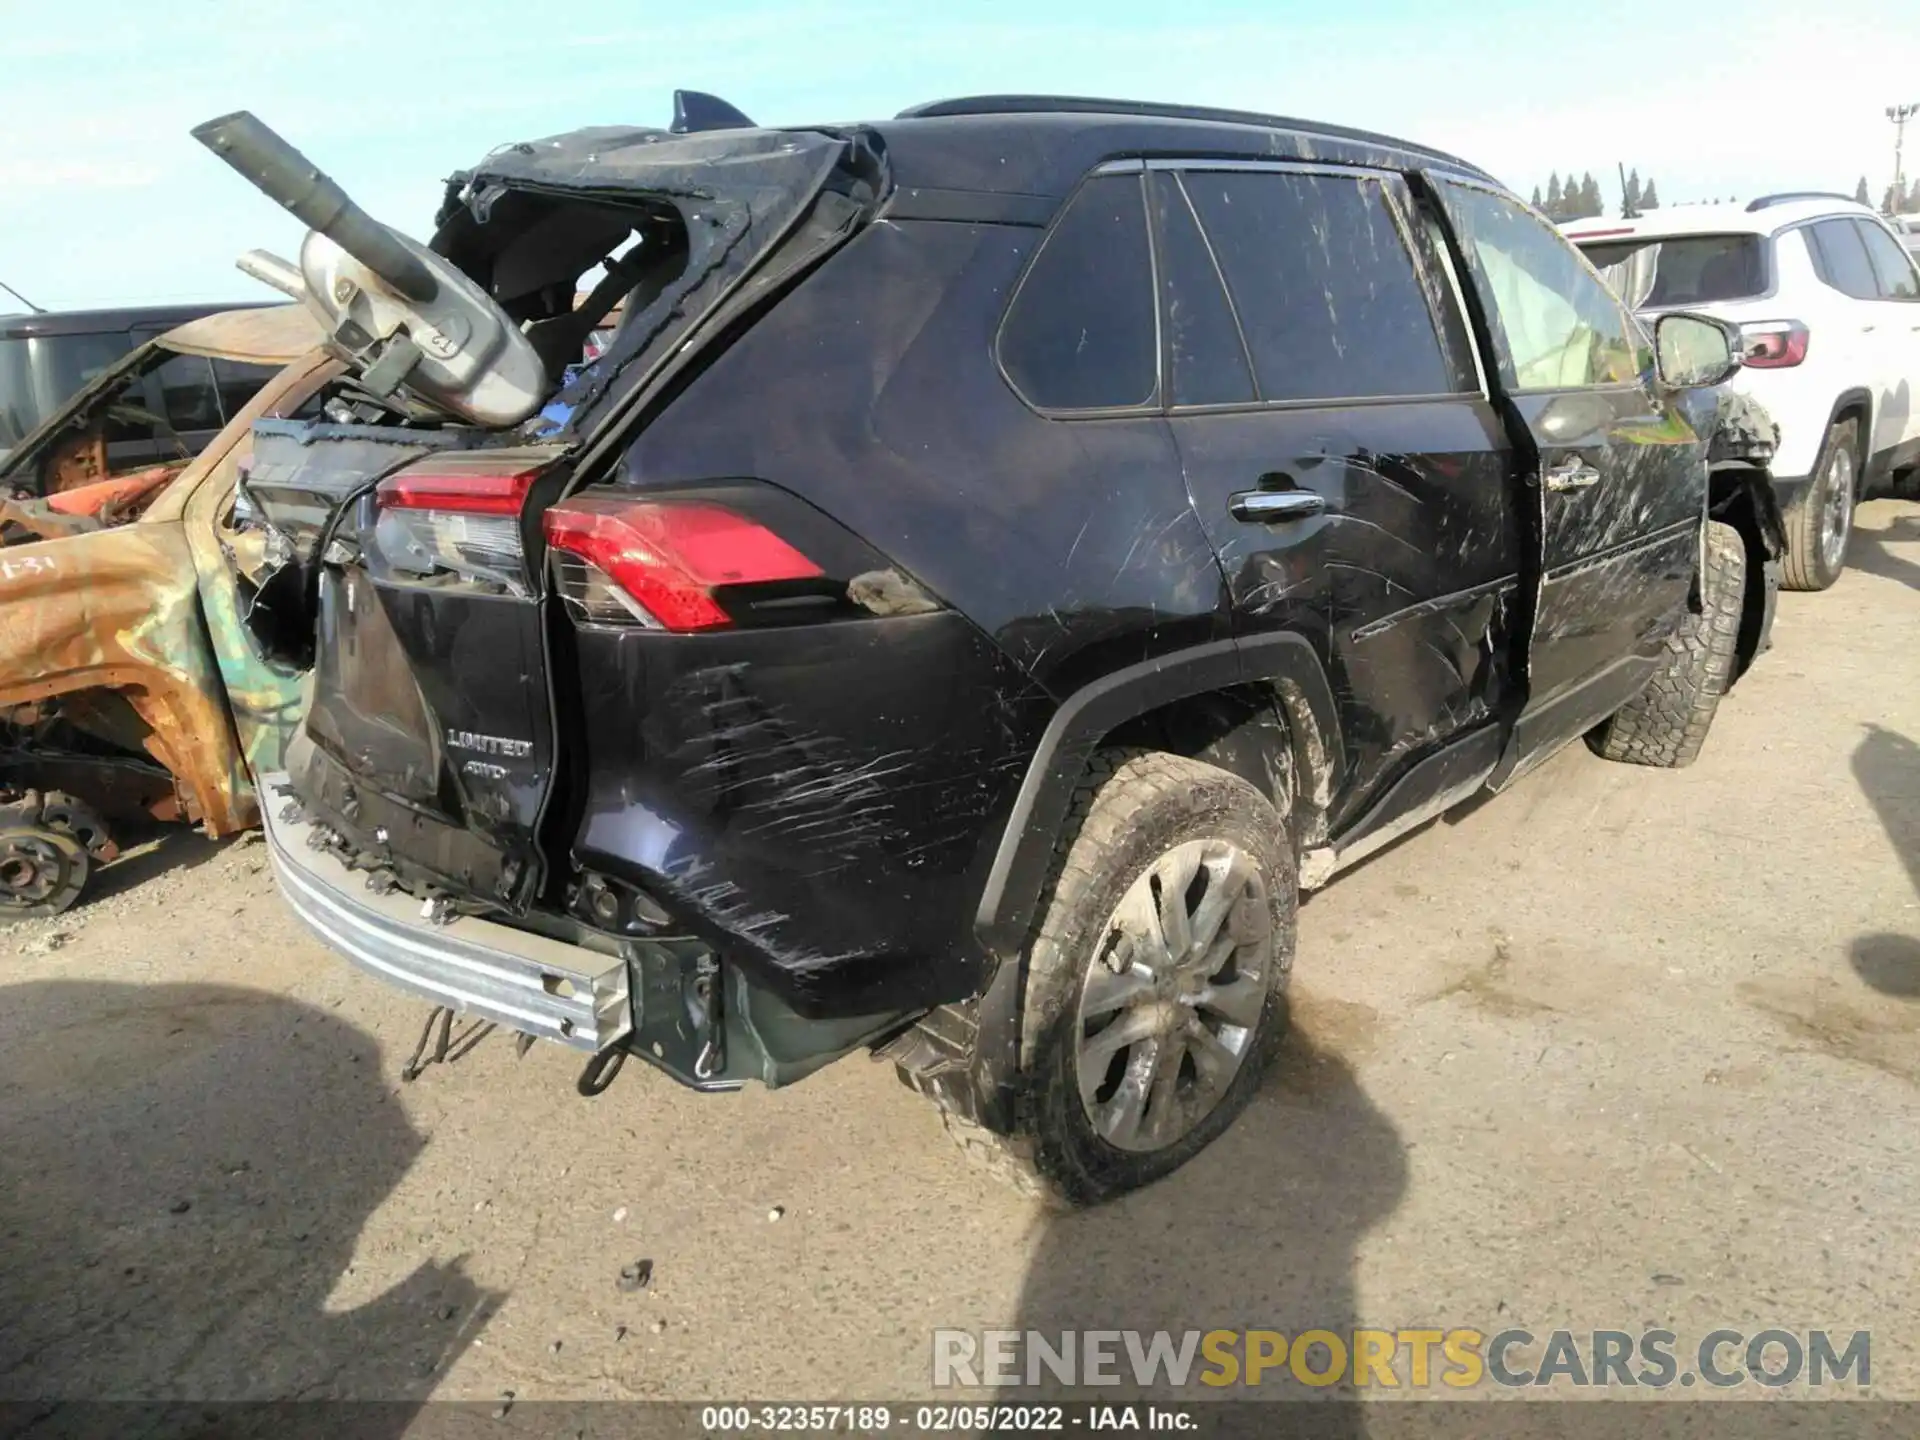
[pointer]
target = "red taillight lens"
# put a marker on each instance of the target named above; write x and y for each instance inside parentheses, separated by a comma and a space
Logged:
(457, 515)
(465, 483)
(1773, 344)
(620, 561)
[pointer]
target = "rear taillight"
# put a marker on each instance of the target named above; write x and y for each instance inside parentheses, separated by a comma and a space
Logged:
(456, 516)
(657, 564)
(1773, 344)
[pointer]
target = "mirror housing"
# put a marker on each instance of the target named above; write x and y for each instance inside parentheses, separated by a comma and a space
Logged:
(1694, 351)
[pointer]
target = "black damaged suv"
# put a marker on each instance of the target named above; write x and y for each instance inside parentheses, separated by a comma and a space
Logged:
(1006, 553)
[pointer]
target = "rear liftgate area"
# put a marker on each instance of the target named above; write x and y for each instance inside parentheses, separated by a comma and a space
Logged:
(533, 784)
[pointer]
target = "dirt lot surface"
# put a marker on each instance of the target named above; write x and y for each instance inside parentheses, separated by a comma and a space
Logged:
(1621, 1047)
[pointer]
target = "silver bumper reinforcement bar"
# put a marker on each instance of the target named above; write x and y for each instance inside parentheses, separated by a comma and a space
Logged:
(525, 982)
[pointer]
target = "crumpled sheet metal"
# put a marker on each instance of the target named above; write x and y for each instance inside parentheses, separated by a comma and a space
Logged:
(118, 613)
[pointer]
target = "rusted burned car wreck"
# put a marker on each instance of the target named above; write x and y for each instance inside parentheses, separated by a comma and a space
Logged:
(128, 685)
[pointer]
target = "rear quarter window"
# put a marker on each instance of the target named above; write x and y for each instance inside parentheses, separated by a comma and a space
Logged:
(1080, 332)
(1840, 258)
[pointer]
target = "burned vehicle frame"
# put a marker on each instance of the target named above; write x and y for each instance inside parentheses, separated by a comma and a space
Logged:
(959, 613)
(128, 686)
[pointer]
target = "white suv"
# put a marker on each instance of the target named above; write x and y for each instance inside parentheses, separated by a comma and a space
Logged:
(1828, 301)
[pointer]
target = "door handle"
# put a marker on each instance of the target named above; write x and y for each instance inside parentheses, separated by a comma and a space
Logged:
(1270, 506)
(1572, 473)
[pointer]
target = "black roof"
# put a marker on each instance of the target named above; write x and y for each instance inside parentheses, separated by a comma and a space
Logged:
(1050, 105)
(89, 322)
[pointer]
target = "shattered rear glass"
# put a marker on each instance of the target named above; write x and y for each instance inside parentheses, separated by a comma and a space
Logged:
(726, 198)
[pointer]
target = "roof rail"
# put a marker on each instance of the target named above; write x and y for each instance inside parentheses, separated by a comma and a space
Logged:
(1086, 105)
(1787, 196)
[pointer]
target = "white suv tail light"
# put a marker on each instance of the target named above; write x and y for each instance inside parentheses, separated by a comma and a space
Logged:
(1773, 344)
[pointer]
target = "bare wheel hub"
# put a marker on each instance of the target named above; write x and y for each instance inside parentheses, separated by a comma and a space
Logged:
(42, 871)
(1174, 995)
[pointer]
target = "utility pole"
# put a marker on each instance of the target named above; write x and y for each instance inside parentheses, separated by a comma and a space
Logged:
(1627, 212)
(1899, 115)
(21, 298)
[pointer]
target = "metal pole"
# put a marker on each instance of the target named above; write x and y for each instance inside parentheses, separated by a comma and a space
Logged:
(1899, 115)
(21, 298)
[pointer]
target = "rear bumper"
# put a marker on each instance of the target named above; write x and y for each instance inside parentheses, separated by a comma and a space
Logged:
(524, 982)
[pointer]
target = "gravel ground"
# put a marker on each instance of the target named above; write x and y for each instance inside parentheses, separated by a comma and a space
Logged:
(1621, 1047)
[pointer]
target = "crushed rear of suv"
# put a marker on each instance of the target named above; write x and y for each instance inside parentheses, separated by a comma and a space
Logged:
(1003, 555)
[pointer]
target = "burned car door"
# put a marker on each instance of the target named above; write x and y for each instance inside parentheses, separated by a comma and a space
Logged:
(1617, 483)
(1346, 462)
(264, 693)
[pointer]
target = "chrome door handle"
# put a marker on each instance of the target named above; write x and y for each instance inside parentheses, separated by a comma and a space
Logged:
(1269, 506)
(1572, 474)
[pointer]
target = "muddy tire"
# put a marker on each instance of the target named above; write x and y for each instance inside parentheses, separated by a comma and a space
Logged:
(1668, 723)
(1820, 522)
(1156, 980)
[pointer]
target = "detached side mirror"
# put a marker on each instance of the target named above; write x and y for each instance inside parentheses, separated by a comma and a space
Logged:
(1694, 350)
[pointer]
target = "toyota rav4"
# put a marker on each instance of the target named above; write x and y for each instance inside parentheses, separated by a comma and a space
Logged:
(1005, 554)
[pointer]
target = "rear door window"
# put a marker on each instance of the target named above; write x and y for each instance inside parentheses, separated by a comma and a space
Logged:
(1559, 327)
(237, 383)
(1080, 333)
(1207, 362)
(1893, 270)
(1840, 258)
(1323, 283)
(188, 396)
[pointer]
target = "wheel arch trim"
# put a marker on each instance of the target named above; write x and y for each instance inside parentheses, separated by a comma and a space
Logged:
(1285, 660)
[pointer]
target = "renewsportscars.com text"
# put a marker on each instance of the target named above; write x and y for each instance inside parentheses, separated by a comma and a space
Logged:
(1414, 1358)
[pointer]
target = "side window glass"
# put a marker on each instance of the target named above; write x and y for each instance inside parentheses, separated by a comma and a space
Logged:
(187, 393)
(237, 382)
(1560, 327)
(1080, 332)
(1892, 266)
(1323, 283)
(1842, 257)
(1206, 356)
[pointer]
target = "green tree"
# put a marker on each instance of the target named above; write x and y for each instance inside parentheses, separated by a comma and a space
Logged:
(1649, 200)
(1860, 192)
(1631, 201)
(1537, 202)
(1590, 201)
(1552, 212)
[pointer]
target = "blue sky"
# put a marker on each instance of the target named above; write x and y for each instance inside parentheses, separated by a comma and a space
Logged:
(104, 198)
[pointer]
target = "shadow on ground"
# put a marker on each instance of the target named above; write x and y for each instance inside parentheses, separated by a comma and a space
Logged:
(1872, 552)
(1887, 766)
(1258, 1232)
(146, 850)
(188, 1169)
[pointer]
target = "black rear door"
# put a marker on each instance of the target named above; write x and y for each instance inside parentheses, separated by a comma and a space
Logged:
(1618, 480)
(431, 733)
(1341, 450)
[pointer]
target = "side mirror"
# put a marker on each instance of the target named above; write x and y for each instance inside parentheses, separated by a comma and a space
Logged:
(1693, 350)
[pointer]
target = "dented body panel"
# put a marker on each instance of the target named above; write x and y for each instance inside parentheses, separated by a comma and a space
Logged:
(105, 615)
(858, 814)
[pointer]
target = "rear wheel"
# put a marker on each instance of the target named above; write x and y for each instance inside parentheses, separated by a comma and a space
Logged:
(1156, 980)
(1820, 522)
(1668, 723)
